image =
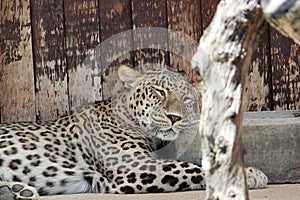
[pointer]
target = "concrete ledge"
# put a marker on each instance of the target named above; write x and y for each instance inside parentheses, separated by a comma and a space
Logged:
(272, 143)
(272, 192)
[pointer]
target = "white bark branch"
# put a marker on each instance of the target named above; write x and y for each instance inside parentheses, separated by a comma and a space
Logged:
(222, 58)
(284, 15)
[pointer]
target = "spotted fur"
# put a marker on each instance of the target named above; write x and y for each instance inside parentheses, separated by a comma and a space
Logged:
(107, 146)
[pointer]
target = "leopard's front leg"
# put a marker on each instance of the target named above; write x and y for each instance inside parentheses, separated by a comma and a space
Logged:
(153, 175)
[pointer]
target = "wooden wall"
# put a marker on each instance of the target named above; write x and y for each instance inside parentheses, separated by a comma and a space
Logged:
(43, 45)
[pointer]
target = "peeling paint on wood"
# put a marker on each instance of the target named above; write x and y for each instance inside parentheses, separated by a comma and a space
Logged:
(184, 16)
(285, 59)
(257, 89)
(50, 63)
(150, 14)
(115, 20)
(84, 65)
(16, 66)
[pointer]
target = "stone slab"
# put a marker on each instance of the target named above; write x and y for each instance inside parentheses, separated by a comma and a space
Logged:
(272, 142)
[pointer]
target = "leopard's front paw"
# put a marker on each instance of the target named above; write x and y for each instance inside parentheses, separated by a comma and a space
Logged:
(17, 190)
(255, 178)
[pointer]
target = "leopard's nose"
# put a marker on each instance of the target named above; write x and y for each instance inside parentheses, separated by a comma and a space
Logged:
(173, 118)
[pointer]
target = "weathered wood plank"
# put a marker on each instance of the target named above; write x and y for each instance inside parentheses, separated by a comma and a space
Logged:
(84, 64)
(150, 14)
(184, 16)
(285, 62)
(115, 20)
(50, 59)
(16, 66)
(258, 95)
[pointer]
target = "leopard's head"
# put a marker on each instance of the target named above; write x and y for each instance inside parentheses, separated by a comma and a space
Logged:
(159, 103)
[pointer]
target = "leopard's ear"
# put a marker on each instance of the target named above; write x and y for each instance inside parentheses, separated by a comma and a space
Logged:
(128, 75)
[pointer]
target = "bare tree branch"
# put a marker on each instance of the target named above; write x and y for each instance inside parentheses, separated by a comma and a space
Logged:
(284, 15)
(222, 58)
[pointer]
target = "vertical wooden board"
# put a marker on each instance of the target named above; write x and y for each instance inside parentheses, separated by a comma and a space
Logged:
(285, 59)
(150, 46)
(83, 57)
(116, 41)
(258, 82)
(115, 17)
(50, 60)
(208, 9)
(16, 66)
(185, 17)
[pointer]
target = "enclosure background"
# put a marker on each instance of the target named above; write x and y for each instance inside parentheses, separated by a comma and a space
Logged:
(43, 44)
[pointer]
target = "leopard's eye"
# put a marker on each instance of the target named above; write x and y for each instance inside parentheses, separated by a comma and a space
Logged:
(188, 100)
(160, 92)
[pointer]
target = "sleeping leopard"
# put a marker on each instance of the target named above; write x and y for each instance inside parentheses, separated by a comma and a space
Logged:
(108, 146)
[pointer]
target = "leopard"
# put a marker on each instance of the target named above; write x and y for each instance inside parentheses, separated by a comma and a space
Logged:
(109, 146)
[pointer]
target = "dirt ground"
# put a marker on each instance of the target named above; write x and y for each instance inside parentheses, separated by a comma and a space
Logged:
(272, 192)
